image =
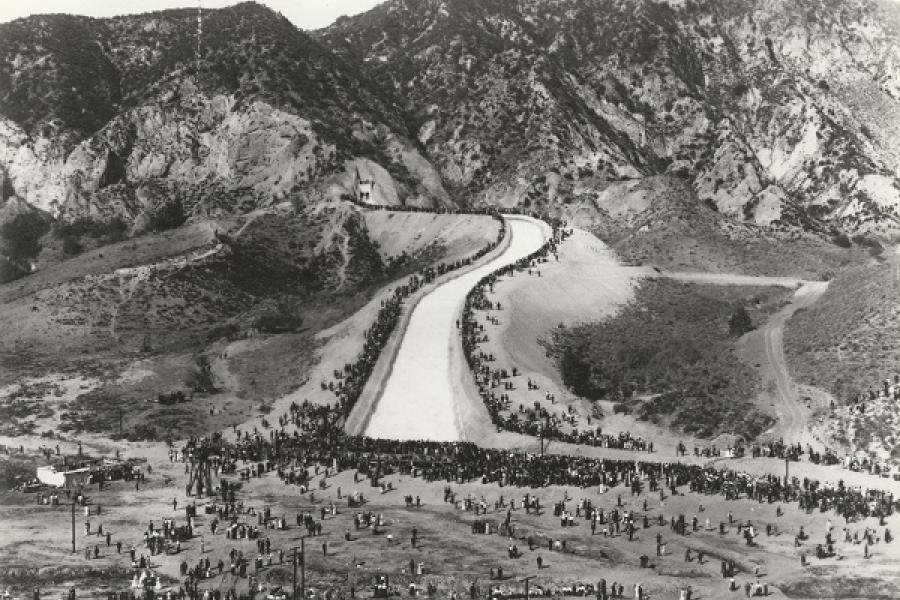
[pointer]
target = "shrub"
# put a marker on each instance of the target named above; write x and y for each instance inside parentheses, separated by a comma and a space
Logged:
(168, 215)
(21, 236)
(739, 322)
(279, 320)
(841, 239)
(71, 246)
(9, 271)
(671, 342)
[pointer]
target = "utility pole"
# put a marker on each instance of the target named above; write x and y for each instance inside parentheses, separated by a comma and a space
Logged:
(526, 580)
(302, 560)
(199, 34)
(542, 445)
(73, 526)
(786, 479)
(303, 566)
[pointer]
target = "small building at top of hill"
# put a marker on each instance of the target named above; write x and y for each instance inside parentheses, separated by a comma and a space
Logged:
(364, 184)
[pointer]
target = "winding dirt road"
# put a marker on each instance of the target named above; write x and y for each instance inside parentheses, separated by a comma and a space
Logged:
(767, 345)
(425, 395)
(793, 425)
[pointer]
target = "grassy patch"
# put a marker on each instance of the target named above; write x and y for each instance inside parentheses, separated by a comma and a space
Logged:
(668, 356)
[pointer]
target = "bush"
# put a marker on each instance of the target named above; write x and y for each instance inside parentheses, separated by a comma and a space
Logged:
(142, 432)
(227, 331)
(71, 245)
(739, 322)
(841, 239)
(9, 271)
(105, 232)
(21, 236)
(168, 215)
(280, 320)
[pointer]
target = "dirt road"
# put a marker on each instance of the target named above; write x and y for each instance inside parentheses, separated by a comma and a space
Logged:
(793, 425)
(765, 346)
(425, 396)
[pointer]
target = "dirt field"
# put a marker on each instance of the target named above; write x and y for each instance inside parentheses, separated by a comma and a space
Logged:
(36, 546)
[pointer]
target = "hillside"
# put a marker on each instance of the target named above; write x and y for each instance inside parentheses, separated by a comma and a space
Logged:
(668, 356)
(660, 221)
(232, 310)
(849, 341)
(777, 113)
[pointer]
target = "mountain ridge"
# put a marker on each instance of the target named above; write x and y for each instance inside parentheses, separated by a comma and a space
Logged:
(780, 115)
(713, 89)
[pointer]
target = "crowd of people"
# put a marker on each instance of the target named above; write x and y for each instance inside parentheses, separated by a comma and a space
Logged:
(326, 452)
(293, 453)
(538, 421)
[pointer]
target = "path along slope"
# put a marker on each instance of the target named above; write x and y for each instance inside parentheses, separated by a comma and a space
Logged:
(426, 396)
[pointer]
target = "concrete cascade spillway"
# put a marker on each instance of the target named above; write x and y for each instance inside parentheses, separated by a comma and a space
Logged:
(424, 397)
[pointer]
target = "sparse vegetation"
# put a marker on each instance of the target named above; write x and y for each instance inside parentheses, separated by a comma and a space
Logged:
(850, 339)
(667, 357)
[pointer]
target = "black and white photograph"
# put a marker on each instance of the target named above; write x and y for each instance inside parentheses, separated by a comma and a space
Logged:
(449, 299)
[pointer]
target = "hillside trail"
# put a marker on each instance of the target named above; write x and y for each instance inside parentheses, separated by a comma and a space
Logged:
(129, 279)
(793, 426)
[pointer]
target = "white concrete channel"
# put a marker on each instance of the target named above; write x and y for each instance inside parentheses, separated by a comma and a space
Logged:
(428, 392)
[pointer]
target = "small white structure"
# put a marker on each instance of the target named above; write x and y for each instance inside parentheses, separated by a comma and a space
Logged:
(50, 476)
(364, 187)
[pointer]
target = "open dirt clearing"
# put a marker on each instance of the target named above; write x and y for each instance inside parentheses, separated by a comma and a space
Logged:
(424, 397)
(452, 556)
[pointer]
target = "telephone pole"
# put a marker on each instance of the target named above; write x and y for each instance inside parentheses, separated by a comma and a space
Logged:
(786, 479)
(73, 526)
(526, 580)
(302, 561)
(303, 566)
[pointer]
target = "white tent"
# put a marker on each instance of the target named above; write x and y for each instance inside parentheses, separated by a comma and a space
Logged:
(50, 476)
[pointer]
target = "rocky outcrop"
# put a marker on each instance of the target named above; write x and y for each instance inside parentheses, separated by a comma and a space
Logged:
(200, 148)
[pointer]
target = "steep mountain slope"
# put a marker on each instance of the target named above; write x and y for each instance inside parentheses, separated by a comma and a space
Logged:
(777, 112)
(116, 117)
